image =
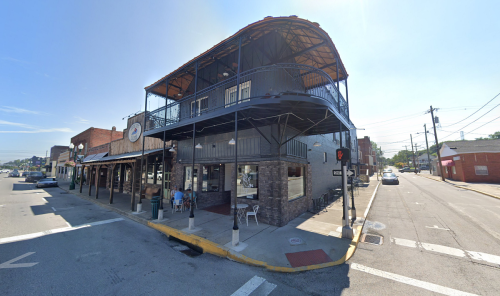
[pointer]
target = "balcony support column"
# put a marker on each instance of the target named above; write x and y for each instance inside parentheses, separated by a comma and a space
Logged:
(139, 206)
(236, 230)
(347, 100)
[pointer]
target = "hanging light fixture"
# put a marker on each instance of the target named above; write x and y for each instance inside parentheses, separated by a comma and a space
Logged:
(198, 146)
(172, 149)
(225, 74)
(317, 144)
(232, 142)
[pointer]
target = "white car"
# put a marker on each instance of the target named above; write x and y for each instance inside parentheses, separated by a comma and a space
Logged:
(5, 171)
(387, 171)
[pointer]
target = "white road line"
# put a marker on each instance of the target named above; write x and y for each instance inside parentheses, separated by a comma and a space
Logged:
(44, 199)
(410, 281)
(371, 200)
(10, 264)
(447, 250)
(436, 227)
(17, 238)
(53, 209)
(252, 285)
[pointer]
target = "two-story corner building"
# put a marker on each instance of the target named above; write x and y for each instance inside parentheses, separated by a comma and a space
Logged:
(266, 101)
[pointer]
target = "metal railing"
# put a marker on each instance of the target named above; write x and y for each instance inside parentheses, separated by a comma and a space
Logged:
(296, 148)
(262, 82)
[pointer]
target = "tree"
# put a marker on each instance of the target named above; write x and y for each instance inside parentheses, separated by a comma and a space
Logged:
(494, 136)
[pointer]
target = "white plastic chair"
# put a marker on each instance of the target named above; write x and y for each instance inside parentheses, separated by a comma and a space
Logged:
(254, 213)
(178, 203)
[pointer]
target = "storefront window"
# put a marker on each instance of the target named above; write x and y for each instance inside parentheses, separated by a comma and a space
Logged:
(248, 181)
(150, 173)
(187, 178)
(296, 182)
(211, 178)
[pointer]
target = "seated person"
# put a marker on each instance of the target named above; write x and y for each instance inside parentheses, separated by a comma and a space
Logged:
(188, 196)
(172, 194)
(179, 195)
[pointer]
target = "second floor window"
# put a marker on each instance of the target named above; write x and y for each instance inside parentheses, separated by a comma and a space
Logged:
(201, 106)
(231, 93)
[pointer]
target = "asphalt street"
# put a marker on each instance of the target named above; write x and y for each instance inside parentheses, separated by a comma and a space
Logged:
(437, 239)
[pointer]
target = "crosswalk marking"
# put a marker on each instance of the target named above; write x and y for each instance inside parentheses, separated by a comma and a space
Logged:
(11, 239)
(447, 250)
(257, 284)
(410, 281)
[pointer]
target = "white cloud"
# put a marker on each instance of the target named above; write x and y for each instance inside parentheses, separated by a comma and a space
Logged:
(17, 110)
(81, 120)
(50, 130)
(14, 60)
(3, 122)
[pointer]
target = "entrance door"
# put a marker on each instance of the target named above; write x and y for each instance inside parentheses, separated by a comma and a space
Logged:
(166, 193)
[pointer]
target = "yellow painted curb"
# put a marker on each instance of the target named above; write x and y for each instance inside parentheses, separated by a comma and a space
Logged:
(458, 186)
(221, 251)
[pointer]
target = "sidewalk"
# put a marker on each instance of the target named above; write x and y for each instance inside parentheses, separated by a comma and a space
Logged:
(310, 241)
(489, 189)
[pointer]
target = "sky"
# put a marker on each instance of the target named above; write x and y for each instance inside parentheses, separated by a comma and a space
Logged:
(66, 66)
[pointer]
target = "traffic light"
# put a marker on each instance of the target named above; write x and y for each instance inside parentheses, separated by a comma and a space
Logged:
(343, 154)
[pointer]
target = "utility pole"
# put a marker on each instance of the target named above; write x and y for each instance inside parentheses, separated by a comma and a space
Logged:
(411, 140)
(428, 156)
(380, 161)
(437, 143)
(406, 154)
(416, 152)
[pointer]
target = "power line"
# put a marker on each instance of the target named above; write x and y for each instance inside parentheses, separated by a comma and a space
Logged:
(482, 125)
(474, 112)
(473, 121)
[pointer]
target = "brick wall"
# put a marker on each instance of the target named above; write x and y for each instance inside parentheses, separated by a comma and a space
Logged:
(465, 167)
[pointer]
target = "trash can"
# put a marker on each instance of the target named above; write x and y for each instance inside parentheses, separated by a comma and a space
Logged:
(155, 206)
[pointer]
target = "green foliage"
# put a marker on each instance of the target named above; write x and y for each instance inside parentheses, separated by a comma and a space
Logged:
(399, 165)
(494, 136)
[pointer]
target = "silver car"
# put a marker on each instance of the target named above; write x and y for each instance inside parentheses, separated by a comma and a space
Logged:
(47, 182)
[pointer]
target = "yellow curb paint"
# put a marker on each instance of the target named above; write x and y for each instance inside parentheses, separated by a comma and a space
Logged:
(221, 251)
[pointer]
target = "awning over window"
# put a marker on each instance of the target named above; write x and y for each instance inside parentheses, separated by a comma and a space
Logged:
(95, 157)
(448, 163)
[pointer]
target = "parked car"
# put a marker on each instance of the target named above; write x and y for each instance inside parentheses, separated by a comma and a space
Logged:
(390, 178)
(33, 177)
(24, 174)
(424, 167)
(5, 171)
(46, 182)
(387, 171)
(408, 170)
(14, 173)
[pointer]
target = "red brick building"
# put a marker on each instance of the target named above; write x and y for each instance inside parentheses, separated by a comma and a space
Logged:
(472, 161)
(94, 137)
(367, 157)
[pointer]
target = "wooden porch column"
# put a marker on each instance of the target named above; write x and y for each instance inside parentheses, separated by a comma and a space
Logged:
(122, 177)
(97, 179)
(132, 198)
(112, 187)
(81, 177)
(91, 169)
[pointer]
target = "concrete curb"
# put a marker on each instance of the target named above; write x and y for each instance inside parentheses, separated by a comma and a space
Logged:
(462, 187)
(222, 251)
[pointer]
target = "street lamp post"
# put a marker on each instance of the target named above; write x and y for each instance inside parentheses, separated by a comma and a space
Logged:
(80, 147)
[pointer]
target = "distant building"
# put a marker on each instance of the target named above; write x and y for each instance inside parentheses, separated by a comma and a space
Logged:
(55, 152)
(424, 160)
(367, 157)
(471, 161)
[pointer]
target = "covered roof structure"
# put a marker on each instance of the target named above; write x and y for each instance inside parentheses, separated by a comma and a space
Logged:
(272, 40)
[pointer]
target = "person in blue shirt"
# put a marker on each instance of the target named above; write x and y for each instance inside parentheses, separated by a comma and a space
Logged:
(190, 194)
(179, 195)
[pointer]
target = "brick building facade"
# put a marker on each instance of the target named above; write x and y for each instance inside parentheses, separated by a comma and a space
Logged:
(472, 161)
(367, 157)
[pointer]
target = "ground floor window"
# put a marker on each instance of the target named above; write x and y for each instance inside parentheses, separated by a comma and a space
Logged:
(481, 169)
(248, 181)
(211, 174)
(187, 178)
(296, 182)
(453, 170)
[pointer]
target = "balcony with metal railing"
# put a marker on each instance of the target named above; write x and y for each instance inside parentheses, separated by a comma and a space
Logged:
(258, 88)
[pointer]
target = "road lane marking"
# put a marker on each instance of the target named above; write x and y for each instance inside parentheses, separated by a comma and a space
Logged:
(252, 285)
(10, 264)
(409, 281)
(447, 250)
(44, 199)
(371, 200)
(436, 227)
(11, 239)
(53, 209)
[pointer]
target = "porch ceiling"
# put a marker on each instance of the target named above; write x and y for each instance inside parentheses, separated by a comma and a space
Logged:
(302, 42)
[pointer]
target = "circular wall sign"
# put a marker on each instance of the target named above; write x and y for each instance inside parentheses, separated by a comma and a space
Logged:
(134, 132)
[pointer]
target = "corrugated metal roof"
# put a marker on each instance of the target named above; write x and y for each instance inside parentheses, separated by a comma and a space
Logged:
(95, 157)
(126, 155)
(323, 56)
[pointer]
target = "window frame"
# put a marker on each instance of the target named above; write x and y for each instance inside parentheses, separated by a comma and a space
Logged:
(199, 106)
(480, 168)
(241, 167)
(304, 184)
(210, 169)
(231, 90)
(185, 179)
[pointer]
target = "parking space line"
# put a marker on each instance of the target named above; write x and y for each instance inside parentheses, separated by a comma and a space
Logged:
(409, 281)
(17, 238)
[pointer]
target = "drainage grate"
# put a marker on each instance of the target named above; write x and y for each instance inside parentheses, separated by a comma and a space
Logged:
(372, 239)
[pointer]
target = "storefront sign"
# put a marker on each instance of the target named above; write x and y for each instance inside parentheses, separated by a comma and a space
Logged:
(134, 132)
